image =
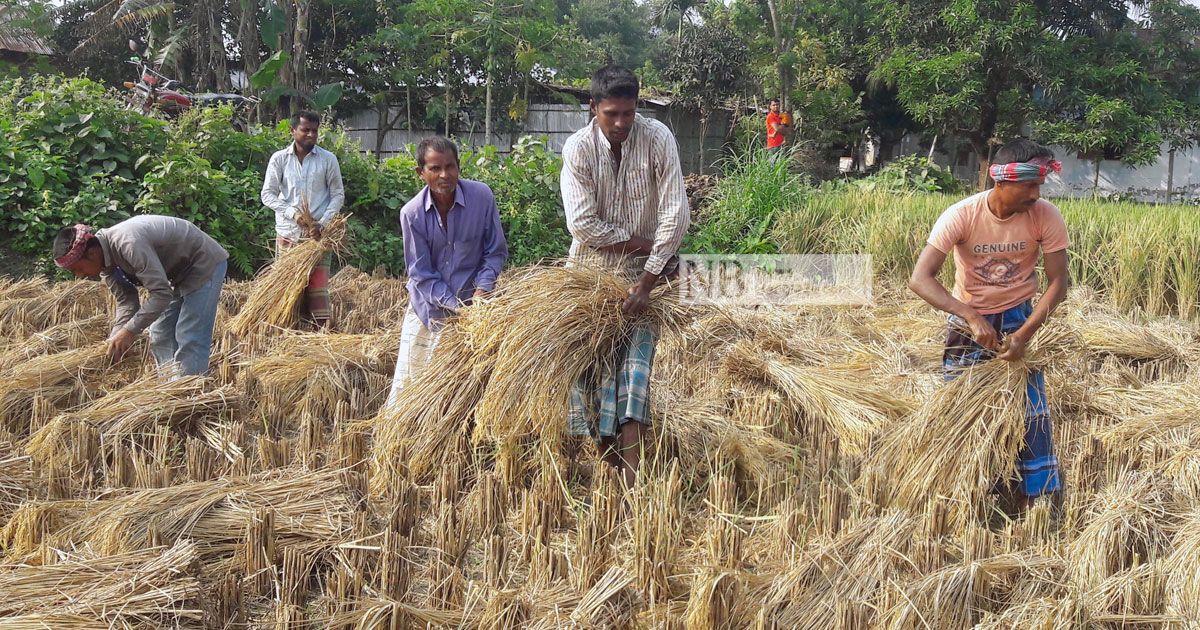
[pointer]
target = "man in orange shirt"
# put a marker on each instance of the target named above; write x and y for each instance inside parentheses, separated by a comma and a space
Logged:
(997, 237)
(774, 126)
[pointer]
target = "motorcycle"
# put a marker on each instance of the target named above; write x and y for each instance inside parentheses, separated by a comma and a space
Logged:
(155, 91)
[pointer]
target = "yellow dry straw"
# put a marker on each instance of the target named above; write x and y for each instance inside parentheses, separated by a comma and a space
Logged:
(16, 479)
(541, 331)
(312, 511)
(696, 432)
(1183, 578)
(155, 587)
(1124, 527)
(364, 303)
(278, 290)
(853, 567)
(427, 427)
(832, 402)
(52, 375)
(137, 410)
(65, 336)
(965, 437)
(60, 303)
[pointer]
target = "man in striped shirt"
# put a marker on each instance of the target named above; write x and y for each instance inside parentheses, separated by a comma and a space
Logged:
(627, 210)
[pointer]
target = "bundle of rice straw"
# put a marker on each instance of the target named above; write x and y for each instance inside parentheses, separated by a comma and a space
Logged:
(833, 402)
(1183, 580)
(952, 597)
(187, 403)
(1105, 330)
(541, 331)
(52, 376)
(1125, 527)
(278, 291)
(696, 431)
(154, 588)
(851, 569)
(298, 366)
(964, 439)
(15, 479)
(12, 288)
(427, 427)
(65, 336)
(63, 302)
(364, 303)
(312, 511)
(1133, 433)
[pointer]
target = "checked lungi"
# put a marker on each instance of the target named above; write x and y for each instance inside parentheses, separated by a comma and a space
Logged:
(416, 348)
(316, 294)
(615, 391)
(1037, 465)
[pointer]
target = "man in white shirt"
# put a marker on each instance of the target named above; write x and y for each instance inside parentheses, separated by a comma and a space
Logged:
(627, 210)
(304, 187)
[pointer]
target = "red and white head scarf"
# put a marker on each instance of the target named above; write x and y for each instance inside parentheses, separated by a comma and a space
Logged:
(1034, 169)
(83, 235)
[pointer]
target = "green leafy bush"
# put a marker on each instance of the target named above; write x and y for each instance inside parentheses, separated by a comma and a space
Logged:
(69, 149)
(526, 185)
(71, 152)
(911, 173)
(223, 204)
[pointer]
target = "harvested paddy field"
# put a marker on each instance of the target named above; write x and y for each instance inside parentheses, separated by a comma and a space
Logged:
(809, 469)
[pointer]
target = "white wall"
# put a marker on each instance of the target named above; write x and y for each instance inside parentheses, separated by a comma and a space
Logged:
(1143, 183)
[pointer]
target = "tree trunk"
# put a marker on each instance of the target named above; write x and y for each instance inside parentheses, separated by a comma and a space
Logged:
(247, 40)
(777, 35)
(1170, 175)
(381, 119)
(300, 45)
(703, 133)
(447, 106)
(1096, 179)
(989, 114)
(487, 99)
(408, 105)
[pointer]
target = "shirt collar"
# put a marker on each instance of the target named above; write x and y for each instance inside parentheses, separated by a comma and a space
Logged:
(459, 200)
(102, 238)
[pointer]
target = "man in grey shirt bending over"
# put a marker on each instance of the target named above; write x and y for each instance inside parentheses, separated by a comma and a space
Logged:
(180, 266)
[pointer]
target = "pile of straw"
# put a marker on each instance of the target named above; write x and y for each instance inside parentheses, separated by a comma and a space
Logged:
(154, 587)
(962, 441)
(793, 480)
(278, 291)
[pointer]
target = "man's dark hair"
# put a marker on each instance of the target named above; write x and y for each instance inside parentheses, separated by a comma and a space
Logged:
(614, 81)
(1021, 150)
(774, 100)
(437, 144)
(310, 116)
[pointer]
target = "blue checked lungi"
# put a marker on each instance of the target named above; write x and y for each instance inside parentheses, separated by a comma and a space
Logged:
(615, 391)
(1036, 464)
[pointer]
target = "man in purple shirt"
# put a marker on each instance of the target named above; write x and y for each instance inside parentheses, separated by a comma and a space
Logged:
(454, 249)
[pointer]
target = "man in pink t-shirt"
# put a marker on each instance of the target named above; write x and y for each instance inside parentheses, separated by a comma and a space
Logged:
(997, 237)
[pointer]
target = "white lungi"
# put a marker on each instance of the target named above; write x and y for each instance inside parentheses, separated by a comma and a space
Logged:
(416, 348)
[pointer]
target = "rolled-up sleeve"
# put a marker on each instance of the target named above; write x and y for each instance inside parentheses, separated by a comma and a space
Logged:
(272, 187)
(579, 201)
(674, 216)
(337, 193)
(495, 250)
